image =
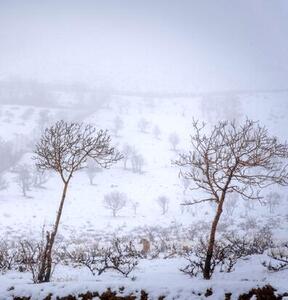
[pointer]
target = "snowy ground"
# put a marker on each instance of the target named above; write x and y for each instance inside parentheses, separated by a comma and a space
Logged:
(156, 277)
(85, 215)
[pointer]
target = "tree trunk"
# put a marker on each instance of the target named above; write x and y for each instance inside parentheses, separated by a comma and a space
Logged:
(23, 190)
(46, 264)
(207, 266)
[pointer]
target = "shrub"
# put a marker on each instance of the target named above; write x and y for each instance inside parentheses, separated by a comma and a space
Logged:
(120, 256)
(115, 201)
(278, 258)
(227, 251)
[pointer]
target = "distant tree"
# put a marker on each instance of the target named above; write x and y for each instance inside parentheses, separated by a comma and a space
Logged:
(115, 201)
(3, 183)
(39, 178)
(118, 125)
(174, 140)
(272, 200)
(127, 152)
(44, 119)
(135, 205)
(217, 108)
(24, 178)
(232, 159)
(64, 148)
(163, 202)
(92, 169)
(156, 132)
(142, 125)
(9, 155)
(137, 161)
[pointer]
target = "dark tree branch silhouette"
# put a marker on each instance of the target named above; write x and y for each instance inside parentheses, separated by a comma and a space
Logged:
(65, 149)
(232, 159)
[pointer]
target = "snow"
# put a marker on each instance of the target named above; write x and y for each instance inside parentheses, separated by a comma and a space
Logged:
(85, 216)
(157, 277)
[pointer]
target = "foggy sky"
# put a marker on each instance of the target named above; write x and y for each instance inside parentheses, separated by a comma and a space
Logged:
(147, 45)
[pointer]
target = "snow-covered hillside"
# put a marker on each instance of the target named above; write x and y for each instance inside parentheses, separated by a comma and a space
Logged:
(147, 126)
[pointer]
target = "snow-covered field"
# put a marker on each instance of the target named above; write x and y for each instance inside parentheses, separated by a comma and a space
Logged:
(86, 219)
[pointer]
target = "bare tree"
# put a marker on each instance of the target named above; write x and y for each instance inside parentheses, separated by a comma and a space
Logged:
(174, 140)
(137, 161)
(156, 132)
(227, 251)
(135, 205)
(31, 255)
(65, 148)
(232, 159)
(127, 152)
(115, 201)
(272, 200)
(44, 119)
(221, 107)
(92, 169)
(132, 155)
(24, 178)
(3, 183)
(9, 256)
(163, 202)
(39, 178)
(9, 155)
(119, 255)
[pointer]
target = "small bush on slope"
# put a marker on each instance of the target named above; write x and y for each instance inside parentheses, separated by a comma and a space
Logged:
(227, 251)
(120, 255)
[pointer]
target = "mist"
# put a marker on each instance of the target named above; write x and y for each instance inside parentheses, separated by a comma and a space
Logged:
(143, 149)
(167, 46)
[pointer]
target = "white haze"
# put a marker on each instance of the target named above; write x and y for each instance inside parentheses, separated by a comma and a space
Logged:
(147, 45)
